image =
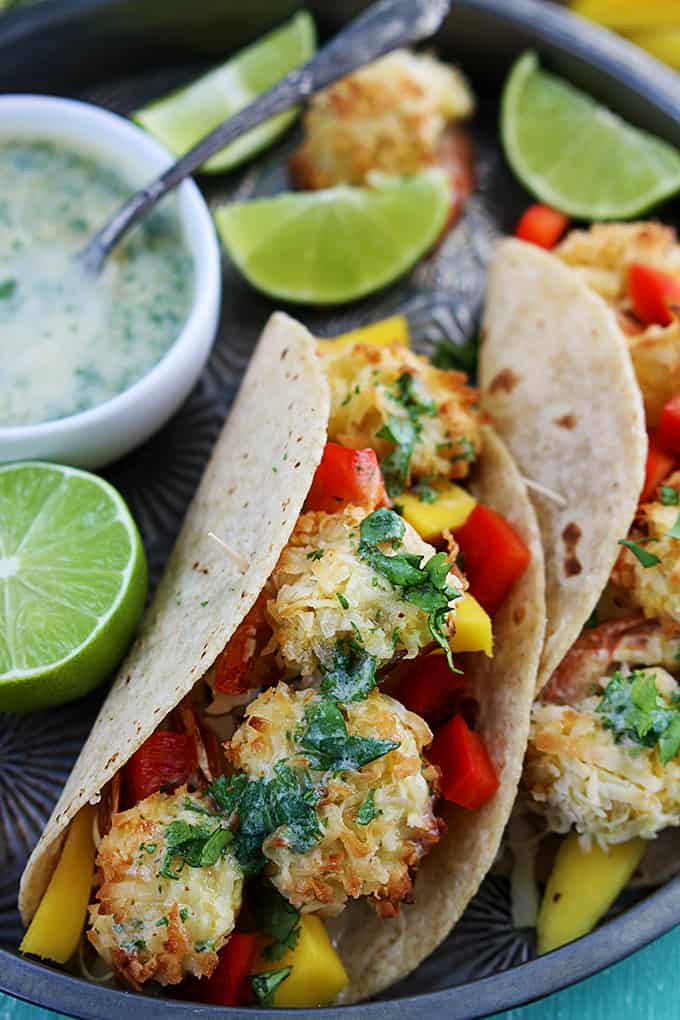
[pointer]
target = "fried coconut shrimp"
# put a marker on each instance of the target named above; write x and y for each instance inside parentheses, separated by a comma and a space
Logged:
(578, 774)
(158, 916)
(373, 387)
(603, 255)
(655, 588)
(389, 116)
(326, 592)
(375, 822)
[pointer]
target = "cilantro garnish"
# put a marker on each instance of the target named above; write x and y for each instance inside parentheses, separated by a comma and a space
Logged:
(467, 450)
(675, 530)
(632, 708)
(162, 922)
(424, 585)
(7, 288)
(136, 945)
(195, 845)
(461, 357)
(669, 495)
(184, 913)
(275, 917)
(350, 674)
(327, 745)
(425, 493)
(342, 600)
(403, 430)
(368, 811)
(266, 983)
(316, 554)
(647, 559)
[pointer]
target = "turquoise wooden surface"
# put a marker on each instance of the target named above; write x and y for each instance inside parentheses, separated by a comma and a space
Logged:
(643, 987)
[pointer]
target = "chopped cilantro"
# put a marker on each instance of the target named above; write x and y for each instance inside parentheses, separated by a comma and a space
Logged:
(368, 811)
(350, 675)
(7, 288)
(204, 604)
(195, 845)
(162, 922)
(327, 745)
(265, 984)
(675, 530)
(204, 944)
(669, 495)
(647, 559)
(356, 632)
(148, 848)
(425, 493)
(424, 585)
(316, 554)
(632, 708)
(275, 917)
(403, 430)
(184, 913)
(459, 357)
(135, 945)
(342, 600)
(467, 450)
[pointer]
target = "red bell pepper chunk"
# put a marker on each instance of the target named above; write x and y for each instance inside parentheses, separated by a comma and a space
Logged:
(433, 691)
(541, 225)
(668, 431)
(659, 465)
(494, 556)
(165, 759)
(468, 775)
(233, 666)
(228, 985)
(653, 292)
(346, 476)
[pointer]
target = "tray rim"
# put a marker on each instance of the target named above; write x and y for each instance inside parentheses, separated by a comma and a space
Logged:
(41, 984)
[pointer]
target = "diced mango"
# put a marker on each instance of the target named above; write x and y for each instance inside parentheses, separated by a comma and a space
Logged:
(582, 887)
(386, 331)
(317, 977)
(474, 632)
(662, 43)
(628, 14)
(54, 932)
(451, 507)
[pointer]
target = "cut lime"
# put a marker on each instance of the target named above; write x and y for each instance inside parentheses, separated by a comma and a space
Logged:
(182, 118)
(73, 582)
(326, 247)
(576, 155)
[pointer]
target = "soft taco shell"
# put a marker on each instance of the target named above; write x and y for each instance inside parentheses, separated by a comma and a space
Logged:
(278, 421)
(377, 953)
(559, 387)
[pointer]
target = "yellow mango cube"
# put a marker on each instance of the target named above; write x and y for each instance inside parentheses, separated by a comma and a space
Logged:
(386, 331)
(317, 977)
(582, 887)
(474, 632)
(55, 931)
(624, 15)
(451, 507)
(662, 43)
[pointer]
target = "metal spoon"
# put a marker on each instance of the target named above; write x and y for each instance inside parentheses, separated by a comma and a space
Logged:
(385, 26)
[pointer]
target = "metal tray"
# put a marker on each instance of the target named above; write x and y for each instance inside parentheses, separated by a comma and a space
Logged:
(120, 53)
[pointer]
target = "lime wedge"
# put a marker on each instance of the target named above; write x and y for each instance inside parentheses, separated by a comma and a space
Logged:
(326, 247)
(73, 582)
(182, 118)
(576, 155)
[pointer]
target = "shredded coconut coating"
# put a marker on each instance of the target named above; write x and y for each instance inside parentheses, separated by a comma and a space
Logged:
(389, 116)
(351, 860)
(362, 380)
(655, 589)
(146, 926)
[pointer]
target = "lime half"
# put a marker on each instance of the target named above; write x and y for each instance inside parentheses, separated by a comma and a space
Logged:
(73, 582)
(182, 118)
(326, 247)
(576, 155)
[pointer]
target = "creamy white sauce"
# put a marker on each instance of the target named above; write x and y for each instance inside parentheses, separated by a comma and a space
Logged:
(69, 342)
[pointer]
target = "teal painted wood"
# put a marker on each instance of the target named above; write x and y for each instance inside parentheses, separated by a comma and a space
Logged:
(643, 987)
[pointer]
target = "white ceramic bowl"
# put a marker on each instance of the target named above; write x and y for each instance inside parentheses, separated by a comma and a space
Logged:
(104, 433)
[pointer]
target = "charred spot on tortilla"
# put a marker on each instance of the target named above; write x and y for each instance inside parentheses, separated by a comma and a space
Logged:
(566, 421)
(570, 536)
(505, 380)
(518, 614)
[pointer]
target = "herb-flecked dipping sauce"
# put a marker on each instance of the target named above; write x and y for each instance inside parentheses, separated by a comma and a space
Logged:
(69, 342)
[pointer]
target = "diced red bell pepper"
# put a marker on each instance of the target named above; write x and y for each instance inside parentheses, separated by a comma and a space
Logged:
(228, 985)
(668, 431)
(653, 292)
(346, 477)
(494, 556)
(165, 759)
(433, 691)
(659, 465)
(541, 225)
(233, 666)
(468, 775)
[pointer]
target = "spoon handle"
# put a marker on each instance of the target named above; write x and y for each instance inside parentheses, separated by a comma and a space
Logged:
(385, 26)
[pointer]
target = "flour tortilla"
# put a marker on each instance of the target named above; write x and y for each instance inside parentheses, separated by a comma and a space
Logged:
(283, 408)
(559, 387)
(377, 953)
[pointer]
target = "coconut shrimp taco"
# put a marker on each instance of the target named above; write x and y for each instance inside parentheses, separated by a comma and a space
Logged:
(304, 767)
(603, 762)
